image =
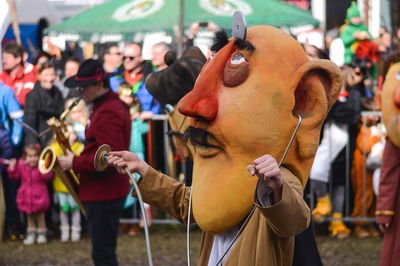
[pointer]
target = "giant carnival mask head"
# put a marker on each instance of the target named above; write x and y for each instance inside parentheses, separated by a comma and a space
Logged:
(245, 104)
(391, 97)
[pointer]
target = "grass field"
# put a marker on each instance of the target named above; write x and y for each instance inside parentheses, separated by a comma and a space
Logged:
(168, 246)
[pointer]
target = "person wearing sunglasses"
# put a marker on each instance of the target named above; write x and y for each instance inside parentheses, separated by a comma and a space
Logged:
(136, 71)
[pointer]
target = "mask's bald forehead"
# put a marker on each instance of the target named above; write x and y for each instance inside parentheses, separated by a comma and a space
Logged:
(275, 51)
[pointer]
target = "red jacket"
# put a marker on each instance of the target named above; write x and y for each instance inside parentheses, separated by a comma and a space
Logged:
(109, 123)
(23, 81)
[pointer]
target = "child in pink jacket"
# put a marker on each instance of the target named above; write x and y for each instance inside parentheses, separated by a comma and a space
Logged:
(33, 196)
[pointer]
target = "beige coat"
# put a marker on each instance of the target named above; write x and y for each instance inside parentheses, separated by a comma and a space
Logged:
(268, 238)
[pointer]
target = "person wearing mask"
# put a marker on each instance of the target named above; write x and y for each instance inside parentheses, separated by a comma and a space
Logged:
(232, 174)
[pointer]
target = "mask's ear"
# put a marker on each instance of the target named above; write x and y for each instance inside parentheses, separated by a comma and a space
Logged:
(318, 84)
(168, 86)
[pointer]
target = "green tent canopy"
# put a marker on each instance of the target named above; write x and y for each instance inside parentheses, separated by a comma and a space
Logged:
(119, 20)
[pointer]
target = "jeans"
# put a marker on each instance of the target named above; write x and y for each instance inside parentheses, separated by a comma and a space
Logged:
(103, 221)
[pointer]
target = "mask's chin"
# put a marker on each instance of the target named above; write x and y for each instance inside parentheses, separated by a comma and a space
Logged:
(223, 192)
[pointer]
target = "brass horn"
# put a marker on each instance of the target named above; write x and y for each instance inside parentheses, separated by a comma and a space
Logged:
(48, 159)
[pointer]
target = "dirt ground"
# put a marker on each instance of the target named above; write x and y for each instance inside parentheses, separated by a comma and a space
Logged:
(168, 247)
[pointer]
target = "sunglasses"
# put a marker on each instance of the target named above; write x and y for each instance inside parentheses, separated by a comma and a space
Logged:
(130, 57)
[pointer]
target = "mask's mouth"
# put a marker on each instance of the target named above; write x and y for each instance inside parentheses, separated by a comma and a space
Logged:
(205, 143)
(207, 152)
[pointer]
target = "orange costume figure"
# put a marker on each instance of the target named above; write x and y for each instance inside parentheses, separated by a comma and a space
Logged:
(363, 229)
(388, 200)
(243, 111)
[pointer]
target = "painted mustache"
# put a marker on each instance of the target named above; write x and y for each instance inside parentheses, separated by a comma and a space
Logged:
(198, 136)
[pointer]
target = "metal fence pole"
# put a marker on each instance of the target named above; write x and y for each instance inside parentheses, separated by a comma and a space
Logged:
(348, 169)
(364, 165)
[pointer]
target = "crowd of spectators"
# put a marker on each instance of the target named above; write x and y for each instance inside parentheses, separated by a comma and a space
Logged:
(30, 94)
(348, 136)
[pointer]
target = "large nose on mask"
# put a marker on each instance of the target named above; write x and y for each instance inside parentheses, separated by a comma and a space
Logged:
(202, 101)
(396, 97)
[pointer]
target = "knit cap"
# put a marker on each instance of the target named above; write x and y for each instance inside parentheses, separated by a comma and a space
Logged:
(352, 11)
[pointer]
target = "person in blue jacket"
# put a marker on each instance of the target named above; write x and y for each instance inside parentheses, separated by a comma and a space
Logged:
(10, 141)
(11, 109)
(136, 71)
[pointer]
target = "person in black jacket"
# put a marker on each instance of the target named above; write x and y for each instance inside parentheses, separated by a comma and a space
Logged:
(346, 112)
(42, 103)
(340, 132)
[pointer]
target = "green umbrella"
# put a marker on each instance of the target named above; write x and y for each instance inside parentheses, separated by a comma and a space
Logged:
(118, 20)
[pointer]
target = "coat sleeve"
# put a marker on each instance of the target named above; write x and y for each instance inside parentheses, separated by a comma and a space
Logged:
(165, 193)
(155, 106)
(47, 177)
(347, 36)
(16, 172)
(31, 118)
(349, 111)
(5, 145)
(15, 112)
(291, 215)
(388, 184)
(144, 127)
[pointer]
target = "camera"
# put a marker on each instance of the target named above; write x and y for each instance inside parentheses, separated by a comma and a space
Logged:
(362, 64)
(203, 24)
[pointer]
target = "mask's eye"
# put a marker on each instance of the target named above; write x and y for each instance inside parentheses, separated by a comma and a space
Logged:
(398, 75)
(238, 59)
(236, 71)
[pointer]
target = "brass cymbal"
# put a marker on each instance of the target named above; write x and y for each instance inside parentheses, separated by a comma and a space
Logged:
(100, 162)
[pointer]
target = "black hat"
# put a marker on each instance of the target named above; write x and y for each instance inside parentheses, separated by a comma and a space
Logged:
(90, 72)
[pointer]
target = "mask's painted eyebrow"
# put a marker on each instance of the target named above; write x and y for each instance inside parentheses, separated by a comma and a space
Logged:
(243, 44)
(221, 39)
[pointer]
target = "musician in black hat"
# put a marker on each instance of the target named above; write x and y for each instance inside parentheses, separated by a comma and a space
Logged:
(102, 193)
